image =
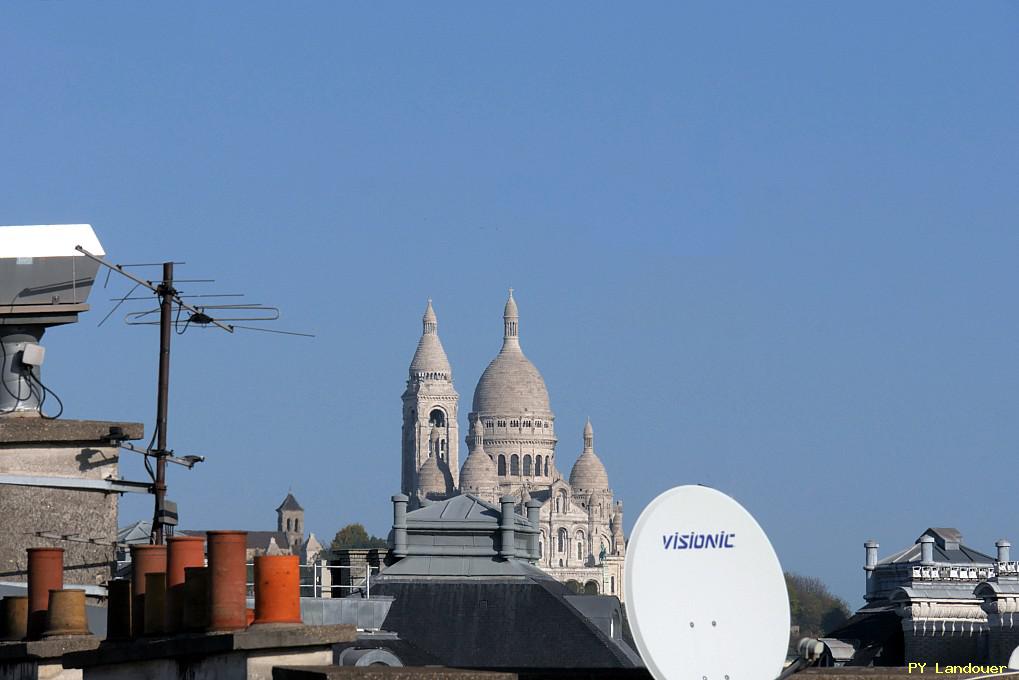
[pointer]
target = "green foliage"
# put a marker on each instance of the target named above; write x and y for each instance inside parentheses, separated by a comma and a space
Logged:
(812, 607)
(355, 536)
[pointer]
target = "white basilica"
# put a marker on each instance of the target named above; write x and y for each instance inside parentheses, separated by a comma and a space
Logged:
(511, 450)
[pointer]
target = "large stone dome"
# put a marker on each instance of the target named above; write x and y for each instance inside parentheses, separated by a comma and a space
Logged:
(511, 384)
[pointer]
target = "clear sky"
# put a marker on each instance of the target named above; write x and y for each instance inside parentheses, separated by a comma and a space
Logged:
(770, 247)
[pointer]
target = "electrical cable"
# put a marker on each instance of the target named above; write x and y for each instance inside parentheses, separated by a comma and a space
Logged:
(45, 391)
(176, 322)
(146, 454)
(17, 397)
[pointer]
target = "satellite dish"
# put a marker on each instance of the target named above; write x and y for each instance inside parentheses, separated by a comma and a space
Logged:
(705, 593)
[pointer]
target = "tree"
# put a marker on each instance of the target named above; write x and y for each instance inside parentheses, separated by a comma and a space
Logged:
(812, 607)
(355, 536)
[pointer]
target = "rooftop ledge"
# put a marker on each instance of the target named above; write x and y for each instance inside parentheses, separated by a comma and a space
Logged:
(208, 644)
(38, 430)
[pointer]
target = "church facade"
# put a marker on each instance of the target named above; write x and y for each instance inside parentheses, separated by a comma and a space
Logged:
(511, 450)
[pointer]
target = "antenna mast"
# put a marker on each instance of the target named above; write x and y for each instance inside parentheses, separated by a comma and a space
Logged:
(166, 293)
(165, 511)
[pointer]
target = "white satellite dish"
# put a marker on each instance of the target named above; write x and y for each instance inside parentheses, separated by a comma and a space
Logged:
(705, 594)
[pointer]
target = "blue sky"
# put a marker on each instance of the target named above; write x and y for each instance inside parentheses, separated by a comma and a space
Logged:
(769, 247)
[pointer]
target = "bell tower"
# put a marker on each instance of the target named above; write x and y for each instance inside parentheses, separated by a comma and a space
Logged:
(430, 405)
(290, 521)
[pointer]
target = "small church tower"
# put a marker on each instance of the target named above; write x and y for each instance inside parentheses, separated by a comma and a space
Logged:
(290, 521)
(430, 406)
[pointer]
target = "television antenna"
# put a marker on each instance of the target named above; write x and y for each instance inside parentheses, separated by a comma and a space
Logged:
(704, 590)
(172, 307)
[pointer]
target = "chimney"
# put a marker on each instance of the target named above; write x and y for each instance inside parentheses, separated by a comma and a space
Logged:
(400, 525)
(1003, 545)
(869, 566)
(228, 575)
(508, 547)
(45, 574)
(926, 550)
(871, 547)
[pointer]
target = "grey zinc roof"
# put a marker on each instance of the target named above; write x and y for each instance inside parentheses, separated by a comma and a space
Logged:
(458, 566)
(136, 532)
(997, 588)
(938, 591)
(466, 508)
(947, 549)
(499, 623)
(290, 503)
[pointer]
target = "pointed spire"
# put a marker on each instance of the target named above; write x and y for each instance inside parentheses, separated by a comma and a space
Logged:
(430, 359)
(429, 322)
(588, 437)
(510, 324)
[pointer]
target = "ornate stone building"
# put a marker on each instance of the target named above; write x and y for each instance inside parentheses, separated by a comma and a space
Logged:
(936, 601)
(511, 450)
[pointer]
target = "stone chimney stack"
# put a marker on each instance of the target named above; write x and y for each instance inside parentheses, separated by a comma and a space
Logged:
(926, 550)
(869, 566)
(1003, 545)
(400, 525)
(871, 547)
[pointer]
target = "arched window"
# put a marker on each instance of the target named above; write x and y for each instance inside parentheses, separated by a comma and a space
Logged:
(564, 541)
(290, 524)
(502, 465)
(489, 424)
(541, 546)
(591, 588)
(537, 466)
(612, 581)
(502, 423)
(514, 465)
(297, 525)
(437, 418)
(527, 423)
(580, 545)
(546, 465)
(514, 423)
(558, 508)
(527, 466)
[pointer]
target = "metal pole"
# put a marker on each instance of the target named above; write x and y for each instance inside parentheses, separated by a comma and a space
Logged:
(166, 293)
